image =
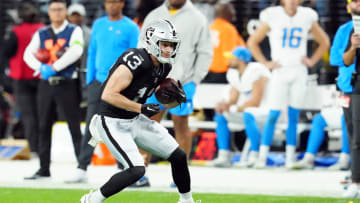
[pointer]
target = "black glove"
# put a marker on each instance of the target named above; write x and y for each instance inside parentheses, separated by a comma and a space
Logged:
(177, 93)
(150, 109)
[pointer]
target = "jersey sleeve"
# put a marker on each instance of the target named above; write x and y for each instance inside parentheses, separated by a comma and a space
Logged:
(257, 71)
(232, 76)
(312, 15)
(265, 16)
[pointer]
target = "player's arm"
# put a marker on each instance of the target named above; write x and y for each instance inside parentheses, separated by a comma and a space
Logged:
(224, 105)
(257, 93)
(234, 96)
(90, 61)
(30, 50)
(324, 44)
(349, 55)
(338, 47)
(118, 81)
(74, 51)
(254, 45)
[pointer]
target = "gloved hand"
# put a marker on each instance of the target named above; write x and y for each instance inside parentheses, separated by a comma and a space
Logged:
(46, 71)
(150, 109)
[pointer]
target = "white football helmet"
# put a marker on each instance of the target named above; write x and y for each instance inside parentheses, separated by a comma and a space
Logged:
(161, 30)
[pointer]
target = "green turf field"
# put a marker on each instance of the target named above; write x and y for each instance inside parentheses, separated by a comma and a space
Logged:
(26, 195)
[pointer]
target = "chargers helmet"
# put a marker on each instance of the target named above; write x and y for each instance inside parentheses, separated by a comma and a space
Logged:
(161, 30)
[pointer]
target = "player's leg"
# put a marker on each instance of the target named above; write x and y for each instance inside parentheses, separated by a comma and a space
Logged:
(291, 132)
(278, 97)
(144, 181)
(316, 137)
(253, 133)
(343, 162)
(118, 135)
(297, 93)
(344, 157)
(68, 101)
(86, 150)
(354, 189)
(46, 115)
(223, 141)
(154, 138)
(180, 118)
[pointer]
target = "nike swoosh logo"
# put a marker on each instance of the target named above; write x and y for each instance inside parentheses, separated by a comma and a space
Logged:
(150, 109)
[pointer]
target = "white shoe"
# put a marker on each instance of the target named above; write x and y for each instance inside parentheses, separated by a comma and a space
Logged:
(302, 164)
(260, 164)
(187, 201)
(339, 166)
(342, 164)
(223, 159)
(290, 156)
(352, 192)
(79, 177)
(220, 162)
(240, 164)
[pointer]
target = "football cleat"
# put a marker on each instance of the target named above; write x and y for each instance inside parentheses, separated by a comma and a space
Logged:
(187, 201)
(220, 162)
(142, 182)
(260, 164)
(40, 174)
(353, 192)
(88, 198)
(302, 164)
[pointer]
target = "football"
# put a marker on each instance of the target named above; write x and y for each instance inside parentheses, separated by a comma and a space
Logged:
(43, 55)
(165, 86)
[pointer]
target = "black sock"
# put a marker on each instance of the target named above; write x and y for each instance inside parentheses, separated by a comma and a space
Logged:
(180, 170)
(121, 180)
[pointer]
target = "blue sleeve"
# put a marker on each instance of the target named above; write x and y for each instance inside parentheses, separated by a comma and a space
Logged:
(338, 48)
(134, 37)
(91, 70)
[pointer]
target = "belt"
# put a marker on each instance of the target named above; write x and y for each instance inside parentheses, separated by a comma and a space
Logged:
(55, 80)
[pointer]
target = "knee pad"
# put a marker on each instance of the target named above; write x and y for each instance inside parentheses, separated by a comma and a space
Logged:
(177, 156)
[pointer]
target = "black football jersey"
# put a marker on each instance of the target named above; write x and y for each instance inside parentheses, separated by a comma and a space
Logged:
(146, 77)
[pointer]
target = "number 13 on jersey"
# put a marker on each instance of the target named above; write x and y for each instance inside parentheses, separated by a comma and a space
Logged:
(294, 39)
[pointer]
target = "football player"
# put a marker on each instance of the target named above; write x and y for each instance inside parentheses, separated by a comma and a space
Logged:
(122, 121)
(246, 104)
(287, 27)
(332, 117)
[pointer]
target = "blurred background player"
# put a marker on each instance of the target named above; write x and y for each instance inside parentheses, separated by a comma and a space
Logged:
(192, 61)
(224, 38)
(331, 117)
(344, 54)
(288, 27)
(77, 15)
(111, 35)
(25, 84)
(58, 86)
(122, 121)
(246, 104)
